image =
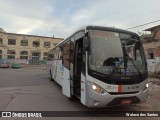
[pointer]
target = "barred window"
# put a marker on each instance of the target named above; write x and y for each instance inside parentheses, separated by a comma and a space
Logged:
(45, 58)
(23, 57)
(36, 43)
(24, 42)
(11, 52)
(11, 42)
(24, 53)
(10, 56)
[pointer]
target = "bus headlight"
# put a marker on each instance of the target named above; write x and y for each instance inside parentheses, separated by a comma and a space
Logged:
(147, 85)
(97, 88)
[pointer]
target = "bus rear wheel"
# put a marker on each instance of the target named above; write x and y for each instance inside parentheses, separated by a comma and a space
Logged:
(51, 79)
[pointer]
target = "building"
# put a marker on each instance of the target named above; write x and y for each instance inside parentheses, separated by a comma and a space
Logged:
(151, 45)
(151, 42)
(27, 49)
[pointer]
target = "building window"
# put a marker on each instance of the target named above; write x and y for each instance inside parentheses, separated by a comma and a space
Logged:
(0, 56)
(36, 43)
(45, 58)
(11, 52)
(45, 54)
(11, 42)
(24, 42)
(24, 57)
(35, 54)
(23, 53)
(150, 53)
(10, 56)
(1, 41)
(47, 44)
(50, 57)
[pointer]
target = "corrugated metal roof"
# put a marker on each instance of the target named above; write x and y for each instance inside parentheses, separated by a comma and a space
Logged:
(152, 28)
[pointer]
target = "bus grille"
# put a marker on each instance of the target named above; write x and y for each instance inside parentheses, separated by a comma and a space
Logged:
(116, 93)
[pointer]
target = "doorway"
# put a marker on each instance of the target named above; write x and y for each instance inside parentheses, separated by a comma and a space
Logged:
(77, 68)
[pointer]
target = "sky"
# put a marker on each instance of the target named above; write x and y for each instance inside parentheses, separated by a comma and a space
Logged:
(62, 17)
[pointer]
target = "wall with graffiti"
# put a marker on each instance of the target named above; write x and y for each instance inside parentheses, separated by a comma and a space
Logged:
(20, 61)
(11, 61)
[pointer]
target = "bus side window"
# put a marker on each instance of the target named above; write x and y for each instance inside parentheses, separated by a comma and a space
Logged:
(66, 54)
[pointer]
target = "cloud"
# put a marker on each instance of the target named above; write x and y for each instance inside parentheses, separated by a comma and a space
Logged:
(24, 17)
(121, 14)
(61, 18)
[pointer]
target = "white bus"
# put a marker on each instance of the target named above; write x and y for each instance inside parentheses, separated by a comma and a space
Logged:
(102, 66)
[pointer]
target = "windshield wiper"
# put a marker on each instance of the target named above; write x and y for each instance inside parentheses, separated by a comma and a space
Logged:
(127, 56)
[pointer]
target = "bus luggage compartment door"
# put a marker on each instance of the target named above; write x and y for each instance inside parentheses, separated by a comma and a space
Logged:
(66, 83)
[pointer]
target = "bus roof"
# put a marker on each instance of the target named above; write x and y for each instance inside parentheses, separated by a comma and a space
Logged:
(94, 27)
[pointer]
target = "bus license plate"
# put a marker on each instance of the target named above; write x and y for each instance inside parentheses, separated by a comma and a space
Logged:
(126, 101)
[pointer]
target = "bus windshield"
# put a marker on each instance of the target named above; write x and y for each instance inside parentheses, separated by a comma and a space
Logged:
(115, 53)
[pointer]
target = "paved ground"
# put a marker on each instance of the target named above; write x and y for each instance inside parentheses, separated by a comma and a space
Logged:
(30, 90)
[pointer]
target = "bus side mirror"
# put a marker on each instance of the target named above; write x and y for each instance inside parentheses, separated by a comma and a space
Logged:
(85, 44)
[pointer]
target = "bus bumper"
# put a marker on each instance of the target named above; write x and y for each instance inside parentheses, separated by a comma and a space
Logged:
(107, 100)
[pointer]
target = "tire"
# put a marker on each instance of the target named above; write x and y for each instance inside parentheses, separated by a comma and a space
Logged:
(73, 98)
(51, 79)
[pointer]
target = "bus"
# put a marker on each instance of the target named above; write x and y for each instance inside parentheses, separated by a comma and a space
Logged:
(102, 66)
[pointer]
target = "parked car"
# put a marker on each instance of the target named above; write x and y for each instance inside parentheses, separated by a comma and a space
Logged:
(4, 65)
(16, 65)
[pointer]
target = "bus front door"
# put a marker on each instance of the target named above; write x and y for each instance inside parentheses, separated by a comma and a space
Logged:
(77, 69)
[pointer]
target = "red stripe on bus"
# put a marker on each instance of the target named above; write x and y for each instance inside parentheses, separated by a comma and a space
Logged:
(119, 88)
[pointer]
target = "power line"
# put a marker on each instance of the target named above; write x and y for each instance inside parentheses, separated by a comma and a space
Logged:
(143, 24)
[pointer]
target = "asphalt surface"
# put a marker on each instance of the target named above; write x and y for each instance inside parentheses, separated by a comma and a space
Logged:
(31, 90)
